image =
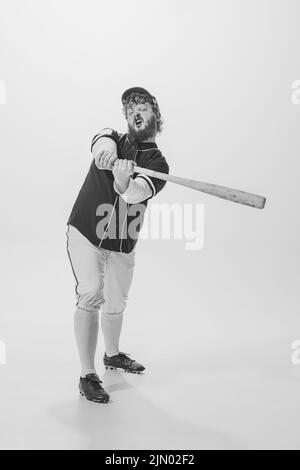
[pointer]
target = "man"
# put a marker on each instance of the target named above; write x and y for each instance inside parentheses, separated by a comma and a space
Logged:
(102, 233)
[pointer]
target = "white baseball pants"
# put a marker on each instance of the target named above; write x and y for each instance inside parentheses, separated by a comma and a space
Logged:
(101, 276)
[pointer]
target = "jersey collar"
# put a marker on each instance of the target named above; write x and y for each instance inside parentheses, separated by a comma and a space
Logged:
(142, 145)
(146, 145)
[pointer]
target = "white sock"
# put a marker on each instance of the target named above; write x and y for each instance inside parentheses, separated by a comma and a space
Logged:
(86, 326)
(111, 324)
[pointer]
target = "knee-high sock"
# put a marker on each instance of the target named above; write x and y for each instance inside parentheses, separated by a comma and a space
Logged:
(86, 326)
(111, 324)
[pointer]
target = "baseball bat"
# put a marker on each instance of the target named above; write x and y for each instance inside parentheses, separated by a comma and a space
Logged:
(230, 194)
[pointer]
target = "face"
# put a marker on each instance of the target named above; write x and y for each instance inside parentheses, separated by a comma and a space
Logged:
(141, 122)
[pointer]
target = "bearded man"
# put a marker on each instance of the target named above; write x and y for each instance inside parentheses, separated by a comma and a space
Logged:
(100, 244)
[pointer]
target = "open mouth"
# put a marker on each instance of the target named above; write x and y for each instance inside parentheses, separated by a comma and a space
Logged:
(138, 122)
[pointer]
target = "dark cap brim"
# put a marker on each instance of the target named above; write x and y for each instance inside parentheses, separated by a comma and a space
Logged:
(135, 90)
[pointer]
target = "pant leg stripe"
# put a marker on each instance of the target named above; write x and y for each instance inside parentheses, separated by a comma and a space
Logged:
(77, 282)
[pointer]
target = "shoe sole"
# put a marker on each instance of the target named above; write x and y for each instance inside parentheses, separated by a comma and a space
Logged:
(139, 372)
(93, 400)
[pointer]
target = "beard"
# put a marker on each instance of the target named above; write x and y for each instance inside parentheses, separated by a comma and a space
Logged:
(141, 135)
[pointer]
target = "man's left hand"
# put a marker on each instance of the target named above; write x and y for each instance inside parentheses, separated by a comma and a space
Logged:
(123, 168)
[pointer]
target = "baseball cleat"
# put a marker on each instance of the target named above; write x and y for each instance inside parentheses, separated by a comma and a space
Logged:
(90, 387)
(122, 361)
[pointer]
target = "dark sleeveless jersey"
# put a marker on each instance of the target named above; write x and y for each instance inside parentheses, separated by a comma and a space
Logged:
(101, 214)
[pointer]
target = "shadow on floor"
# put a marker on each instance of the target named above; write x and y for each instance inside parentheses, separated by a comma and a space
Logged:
(131, 421)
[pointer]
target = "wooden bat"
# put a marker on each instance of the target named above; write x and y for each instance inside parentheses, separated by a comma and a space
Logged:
(234, 195)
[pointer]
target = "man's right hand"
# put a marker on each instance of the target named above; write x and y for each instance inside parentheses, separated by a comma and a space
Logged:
(105, 159)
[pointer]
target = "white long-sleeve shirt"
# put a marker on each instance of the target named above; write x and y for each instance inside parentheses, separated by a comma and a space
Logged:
(138, 190)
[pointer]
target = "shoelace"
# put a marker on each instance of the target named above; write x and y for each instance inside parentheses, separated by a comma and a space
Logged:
(127, 359)
(94, 384)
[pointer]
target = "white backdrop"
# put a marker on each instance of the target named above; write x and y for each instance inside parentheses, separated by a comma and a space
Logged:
(222, 72)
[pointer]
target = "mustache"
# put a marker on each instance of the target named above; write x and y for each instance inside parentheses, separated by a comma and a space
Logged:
(138, 118)
(149, 130)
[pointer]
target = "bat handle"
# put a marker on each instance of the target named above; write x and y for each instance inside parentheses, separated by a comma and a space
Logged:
(137, 169)
(144, 171)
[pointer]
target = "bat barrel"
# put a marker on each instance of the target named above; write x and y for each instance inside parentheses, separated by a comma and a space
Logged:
(230, 194)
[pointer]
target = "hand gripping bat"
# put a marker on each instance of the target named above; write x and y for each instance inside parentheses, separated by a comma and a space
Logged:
(233, 195)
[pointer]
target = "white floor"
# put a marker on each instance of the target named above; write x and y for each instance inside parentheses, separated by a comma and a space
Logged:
(219, 373)
(231, 399)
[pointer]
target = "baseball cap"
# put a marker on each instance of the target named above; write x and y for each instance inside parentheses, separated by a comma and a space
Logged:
(135, 90)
